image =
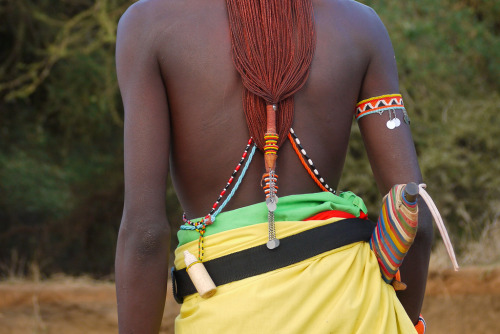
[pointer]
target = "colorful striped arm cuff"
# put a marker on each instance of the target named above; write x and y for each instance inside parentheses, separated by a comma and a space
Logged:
(395, 232)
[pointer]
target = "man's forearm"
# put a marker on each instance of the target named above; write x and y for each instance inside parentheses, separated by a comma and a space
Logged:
(141, 271)
(416, 264)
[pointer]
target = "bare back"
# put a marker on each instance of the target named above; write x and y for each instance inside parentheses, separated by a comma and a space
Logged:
(204, 92)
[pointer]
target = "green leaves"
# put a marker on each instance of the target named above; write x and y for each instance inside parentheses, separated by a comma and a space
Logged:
(33, 190)
(60, 131)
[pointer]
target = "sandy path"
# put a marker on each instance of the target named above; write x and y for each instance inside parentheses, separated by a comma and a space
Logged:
(463, 302)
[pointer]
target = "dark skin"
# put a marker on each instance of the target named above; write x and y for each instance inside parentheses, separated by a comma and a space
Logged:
(184, 115)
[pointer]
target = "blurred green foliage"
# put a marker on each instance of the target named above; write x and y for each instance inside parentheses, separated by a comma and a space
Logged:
(61, 179)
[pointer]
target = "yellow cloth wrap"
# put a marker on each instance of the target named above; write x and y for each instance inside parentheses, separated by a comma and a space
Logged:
(339, 291)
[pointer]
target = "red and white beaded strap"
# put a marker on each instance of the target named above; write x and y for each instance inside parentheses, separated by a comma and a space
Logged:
(208, 219)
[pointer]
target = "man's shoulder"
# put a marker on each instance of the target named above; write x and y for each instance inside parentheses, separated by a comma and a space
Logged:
(360, 20)
(361, 14)
(145, 15)
(144, 8)
(349, 5)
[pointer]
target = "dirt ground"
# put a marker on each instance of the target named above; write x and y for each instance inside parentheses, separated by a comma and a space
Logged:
(463, 302)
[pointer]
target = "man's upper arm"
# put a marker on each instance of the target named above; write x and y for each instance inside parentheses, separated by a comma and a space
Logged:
(391, 152)
(146, 133)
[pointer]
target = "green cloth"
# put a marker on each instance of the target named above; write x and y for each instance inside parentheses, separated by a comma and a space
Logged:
(290, 208)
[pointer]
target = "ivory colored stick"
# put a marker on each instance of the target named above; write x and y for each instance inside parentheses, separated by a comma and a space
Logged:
(199, 276)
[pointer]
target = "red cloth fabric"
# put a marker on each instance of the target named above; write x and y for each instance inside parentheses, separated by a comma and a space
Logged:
(335, 213)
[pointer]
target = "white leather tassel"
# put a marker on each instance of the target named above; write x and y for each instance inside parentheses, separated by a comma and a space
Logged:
(199, 276)
(440, 224)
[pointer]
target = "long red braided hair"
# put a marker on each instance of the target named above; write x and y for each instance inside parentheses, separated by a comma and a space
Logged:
(273, 44)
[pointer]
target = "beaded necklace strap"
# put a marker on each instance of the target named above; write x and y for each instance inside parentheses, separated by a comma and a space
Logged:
(309, 166)
(237, 184)
(201, 224)
(209, 217)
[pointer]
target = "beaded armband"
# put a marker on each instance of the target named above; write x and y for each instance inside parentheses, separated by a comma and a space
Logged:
(379, 104)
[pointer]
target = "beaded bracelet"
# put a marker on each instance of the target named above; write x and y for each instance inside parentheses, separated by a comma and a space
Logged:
(421, 326)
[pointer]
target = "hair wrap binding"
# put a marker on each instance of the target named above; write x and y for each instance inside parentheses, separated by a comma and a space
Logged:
(273, 43)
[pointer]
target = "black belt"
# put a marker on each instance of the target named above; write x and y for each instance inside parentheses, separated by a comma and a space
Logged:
(258, 260)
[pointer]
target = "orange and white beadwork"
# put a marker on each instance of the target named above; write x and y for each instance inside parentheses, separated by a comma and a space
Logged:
(380, 104)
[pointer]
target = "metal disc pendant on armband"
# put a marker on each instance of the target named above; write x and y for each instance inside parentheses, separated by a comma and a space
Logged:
(390, 124)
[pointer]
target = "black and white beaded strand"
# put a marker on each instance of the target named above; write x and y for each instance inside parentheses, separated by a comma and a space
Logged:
(310, 162)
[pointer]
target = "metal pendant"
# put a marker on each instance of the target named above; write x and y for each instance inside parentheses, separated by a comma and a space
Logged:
(393, 121)
(390, 124)
(271, 203)
(273, 241)
(272, 244)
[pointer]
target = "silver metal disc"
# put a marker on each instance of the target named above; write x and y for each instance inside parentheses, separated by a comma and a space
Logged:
(390, 124)
(271, 204)
(397, 122)
(272, 244)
